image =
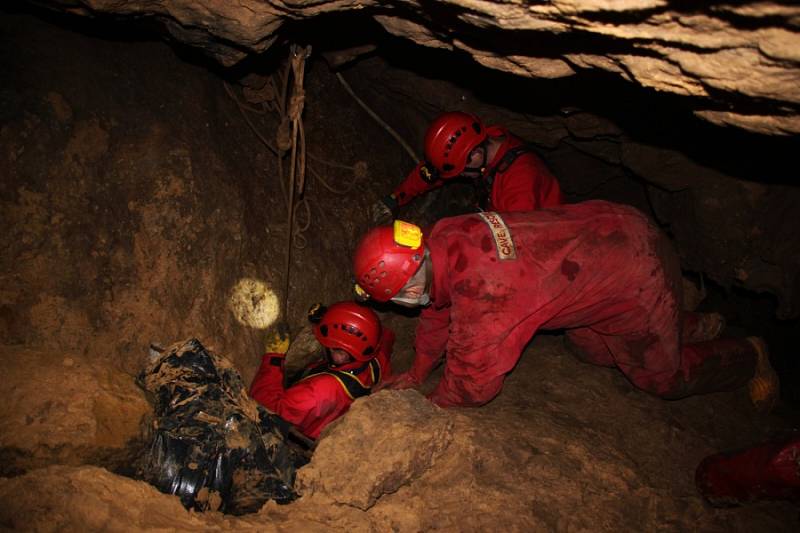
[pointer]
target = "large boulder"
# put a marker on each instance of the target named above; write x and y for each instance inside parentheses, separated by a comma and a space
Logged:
(64, 410)
(385, 441)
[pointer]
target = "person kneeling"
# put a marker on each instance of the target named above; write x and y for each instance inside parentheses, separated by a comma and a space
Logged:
(357, 357)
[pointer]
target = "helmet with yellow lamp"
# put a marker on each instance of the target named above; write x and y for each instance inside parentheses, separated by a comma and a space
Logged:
(391, 264)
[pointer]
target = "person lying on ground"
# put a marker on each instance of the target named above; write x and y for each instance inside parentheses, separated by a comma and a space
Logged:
(357, 357)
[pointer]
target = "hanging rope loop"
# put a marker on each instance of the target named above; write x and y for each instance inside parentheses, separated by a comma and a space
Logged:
(283, 93)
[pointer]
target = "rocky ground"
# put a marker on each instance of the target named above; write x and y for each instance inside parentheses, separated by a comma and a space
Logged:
(565, 447)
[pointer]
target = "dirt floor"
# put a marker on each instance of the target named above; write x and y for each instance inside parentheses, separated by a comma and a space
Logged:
(138, 206)
(565, 447)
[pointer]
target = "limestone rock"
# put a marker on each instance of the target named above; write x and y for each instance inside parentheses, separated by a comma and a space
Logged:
(693, 295)
(60, 498)
(63, 410)
(385, 441)
(304, 349)
(714, 53)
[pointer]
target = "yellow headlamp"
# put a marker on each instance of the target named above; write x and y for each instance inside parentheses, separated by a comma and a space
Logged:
(407, 234)
(361, 294)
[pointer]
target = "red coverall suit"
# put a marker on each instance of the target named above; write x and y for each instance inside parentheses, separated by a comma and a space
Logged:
(599, 270)
(314, 402)
(525, 185)
(769, 471)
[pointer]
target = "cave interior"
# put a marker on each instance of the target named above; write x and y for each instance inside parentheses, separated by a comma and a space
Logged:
(142, 202)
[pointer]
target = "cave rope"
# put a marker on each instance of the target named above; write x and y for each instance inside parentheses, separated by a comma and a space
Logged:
(297, 160)
(287, 100)
(358, 170)
(377, 118)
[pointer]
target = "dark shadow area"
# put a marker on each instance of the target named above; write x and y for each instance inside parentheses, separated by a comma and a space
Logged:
(99, 26)
(749, 313)
(646, 116)
(122, 29)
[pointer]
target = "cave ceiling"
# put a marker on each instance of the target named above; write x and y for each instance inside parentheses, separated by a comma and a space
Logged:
(736, 62)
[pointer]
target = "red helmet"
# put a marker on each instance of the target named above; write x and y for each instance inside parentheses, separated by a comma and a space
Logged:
(351, 327)
(386, 258)
(450, 139)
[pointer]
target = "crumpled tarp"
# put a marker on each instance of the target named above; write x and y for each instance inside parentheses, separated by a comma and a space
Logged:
(210, 443)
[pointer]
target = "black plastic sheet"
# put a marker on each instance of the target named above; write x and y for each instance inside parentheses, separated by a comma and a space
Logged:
(210, 443)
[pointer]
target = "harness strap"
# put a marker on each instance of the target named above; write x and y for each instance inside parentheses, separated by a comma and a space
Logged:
(484, 183)
(351, 385)
(508, 158)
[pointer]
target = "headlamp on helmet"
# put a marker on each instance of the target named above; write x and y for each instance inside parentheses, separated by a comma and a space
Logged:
(386, 258)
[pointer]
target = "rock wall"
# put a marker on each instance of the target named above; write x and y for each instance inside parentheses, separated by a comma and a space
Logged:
(67, 410)
(137, 206)
(724, 196)
(117, 211)
(736, 63)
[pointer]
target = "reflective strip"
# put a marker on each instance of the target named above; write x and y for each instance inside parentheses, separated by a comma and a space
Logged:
(375, 371)
(350, 383)
(502, 236)
(343, 384)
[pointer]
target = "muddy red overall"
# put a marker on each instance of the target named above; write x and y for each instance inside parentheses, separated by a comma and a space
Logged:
(598, 270)
(313, 403)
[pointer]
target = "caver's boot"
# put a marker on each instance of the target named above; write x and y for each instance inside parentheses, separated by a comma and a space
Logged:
(769, 471)
(701, 327)
(726, 365)
(764, 387)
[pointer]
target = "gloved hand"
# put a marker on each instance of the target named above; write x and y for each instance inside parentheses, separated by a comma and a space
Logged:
(382, 212)
(399, 382)
(278, 339)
